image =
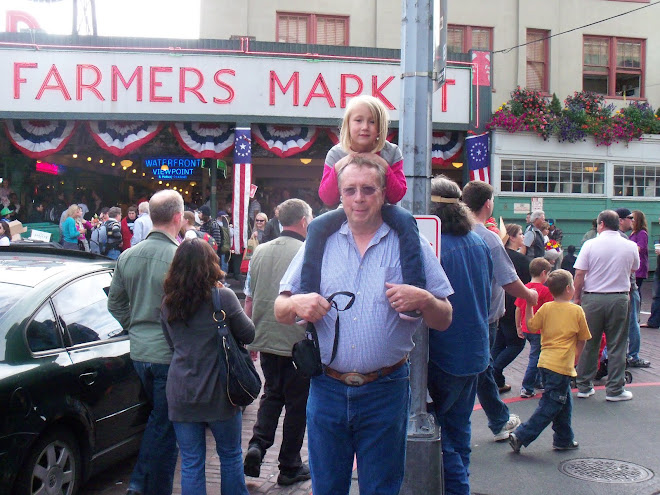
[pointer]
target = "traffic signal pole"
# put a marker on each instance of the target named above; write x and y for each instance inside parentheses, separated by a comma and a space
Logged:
(423, 474)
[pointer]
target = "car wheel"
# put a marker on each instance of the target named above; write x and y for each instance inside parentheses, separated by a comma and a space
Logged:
(53, 466)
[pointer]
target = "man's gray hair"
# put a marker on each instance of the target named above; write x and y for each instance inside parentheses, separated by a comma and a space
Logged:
(536, 214)
(164, 205)
(610, 219)
(366, 161)
(292, 211)
(114, 211)
(143, 207)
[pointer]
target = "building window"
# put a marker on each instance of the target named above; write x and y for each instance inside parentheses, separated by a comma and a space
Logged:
(312, 28)
(637, 181)
(548, 176)
(461, 39)
(538, 57)
(614, 66)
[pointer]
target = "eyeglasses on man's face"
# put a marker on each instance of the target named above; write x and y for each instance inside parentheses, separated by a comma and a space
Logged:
(364, 190)
(260, 220)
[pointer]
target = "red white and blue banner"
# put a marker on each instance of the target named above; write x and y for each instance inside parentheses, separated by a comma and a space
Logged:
(333, 134)
(122, 137)
(39, 138)
(446, 147)
(284, 140)
(242, 183)
(478, 157)
(204, 139)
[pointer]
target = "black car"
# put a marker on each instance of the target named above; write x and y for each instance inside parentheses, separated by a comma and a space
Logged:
(71, 403)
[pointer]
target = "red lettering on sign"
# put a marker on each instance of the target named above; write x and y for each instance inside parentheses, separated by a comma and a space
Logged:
(18, 80)
(344, 94)
(92, 87)
(154, 83)
(115, 75)
(224, 85)
(295, 80)
(448, 82)
(376, 90)
(324, 94)
(194, 89)
(53, 72)
(14, 17)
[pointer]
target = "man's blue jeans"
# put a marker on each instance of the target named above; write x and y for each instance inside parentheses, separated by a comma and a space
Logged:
(555, 406)
(453, 401)
(153, 473)
(488, 393)
(634, 334)
(192, 442)
(368, 422)
(532, 378)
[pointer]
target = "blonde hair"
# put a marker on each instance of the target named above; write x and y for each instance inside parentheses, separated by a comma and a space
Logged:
(378, 112)
(72, 210)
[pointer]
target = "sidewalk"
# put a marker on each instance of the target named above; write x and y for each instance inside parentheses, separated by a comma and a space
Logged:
(625, 431)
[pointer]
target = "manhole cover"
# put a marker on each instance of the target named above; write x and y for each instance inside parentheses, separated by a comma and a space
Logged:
(605, 470)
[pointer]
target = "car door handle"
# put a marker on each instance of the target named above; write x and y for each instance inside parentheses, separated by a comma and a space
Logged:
(89, 378)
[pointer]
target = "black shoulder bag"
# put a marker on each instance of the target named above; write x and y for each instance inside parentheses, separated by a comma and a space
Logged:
(243, 383)
(306, 354)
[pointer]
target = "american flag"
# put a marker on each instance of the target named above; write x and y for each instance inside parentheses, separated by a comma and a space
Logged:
(242, 181)
(478, 157)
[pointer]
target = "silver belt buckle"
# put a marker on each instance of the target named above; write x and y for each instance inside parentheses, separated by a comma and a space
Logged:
(353, 379)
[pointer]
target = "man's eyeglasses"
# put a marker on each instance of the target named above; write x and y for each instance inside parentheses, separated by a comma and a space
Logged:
(364, 190)
(259, 220)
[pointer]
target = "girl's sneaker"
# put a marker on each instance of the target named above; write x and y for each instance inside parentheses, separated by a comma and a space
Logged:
(526, 394)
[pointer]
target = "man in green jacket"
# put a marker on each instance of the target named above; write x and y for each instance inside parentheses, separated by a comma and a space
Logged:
(283, 386)
(134, 300)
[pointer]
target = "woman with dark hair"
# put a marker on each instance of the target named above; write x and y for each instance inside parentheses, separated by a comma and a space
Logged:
(507, 343)
(640, 236)
(5, 233)
(196, 395)
(460, 353)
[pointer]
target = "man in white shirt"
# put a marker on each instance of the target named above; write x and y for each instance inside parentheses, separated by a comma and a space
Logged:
(602, 287)
(142, 225)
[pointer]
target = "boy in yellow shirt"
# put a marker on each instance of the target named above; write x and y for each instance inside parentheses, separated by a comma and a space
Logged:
(564, 331)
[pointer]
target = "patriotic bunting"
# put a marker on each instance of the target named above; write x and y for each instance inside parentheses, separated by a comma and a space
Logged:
(204, 139)
(285, 141)
(242, 184)
(333, 134)
(122, 137)
(446, 147)
(478, 157)
(39, 138)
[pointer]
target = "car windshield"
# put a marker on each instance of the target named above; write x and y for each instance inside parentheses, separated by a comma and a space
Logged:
(10, 294)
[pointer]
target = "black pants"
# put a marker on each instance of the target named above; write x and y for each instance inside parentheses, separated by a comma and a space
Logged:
(506, 348)
(283, 387)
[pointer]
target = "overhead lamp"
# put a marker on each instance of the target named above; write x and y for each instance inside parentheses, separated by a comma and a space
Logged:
(457, 164)
(160, 181)
(134, 171)
(186, 192)
(193, 184)
(75, 155)
(101, 160)
(167, 184)
(126, 163)
(306, 161)
(89, 158)
(143, 174)
(113, 164)
(164, 167)
(124, 169)
(174, 188)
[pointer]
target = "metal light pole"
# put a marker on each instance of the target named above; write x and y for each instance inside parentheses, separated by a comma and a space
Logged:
(424, 452)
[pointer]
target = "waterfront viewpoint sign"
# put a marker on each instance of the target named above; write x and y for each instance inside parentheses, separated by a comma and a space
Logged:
(106, 85)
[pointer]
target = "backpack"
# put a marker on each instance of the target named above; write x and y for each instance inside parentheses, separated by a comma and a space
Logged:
(99, 240)
(226, 241)
(208, 238)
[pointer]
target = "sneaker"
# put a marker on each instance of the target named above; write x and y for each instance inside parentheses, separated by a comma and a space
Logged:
(638, 363)
(625, 395)
(410, 315)
(289, 478)
(505, 388)
(571, 446)
(515, 443)
(512, 424)
(588, 393)
(252, 463)
(526, 394)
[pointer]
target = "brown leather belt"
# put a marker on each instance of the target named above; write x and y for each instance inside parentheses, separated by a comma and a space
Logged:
(353, 379)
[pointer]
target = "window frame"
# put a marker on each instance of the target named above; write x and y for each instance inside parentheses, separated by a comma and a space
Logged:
(312, 26)
(467, 36)
(634, 177)
(612, 68)
(545, 90)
